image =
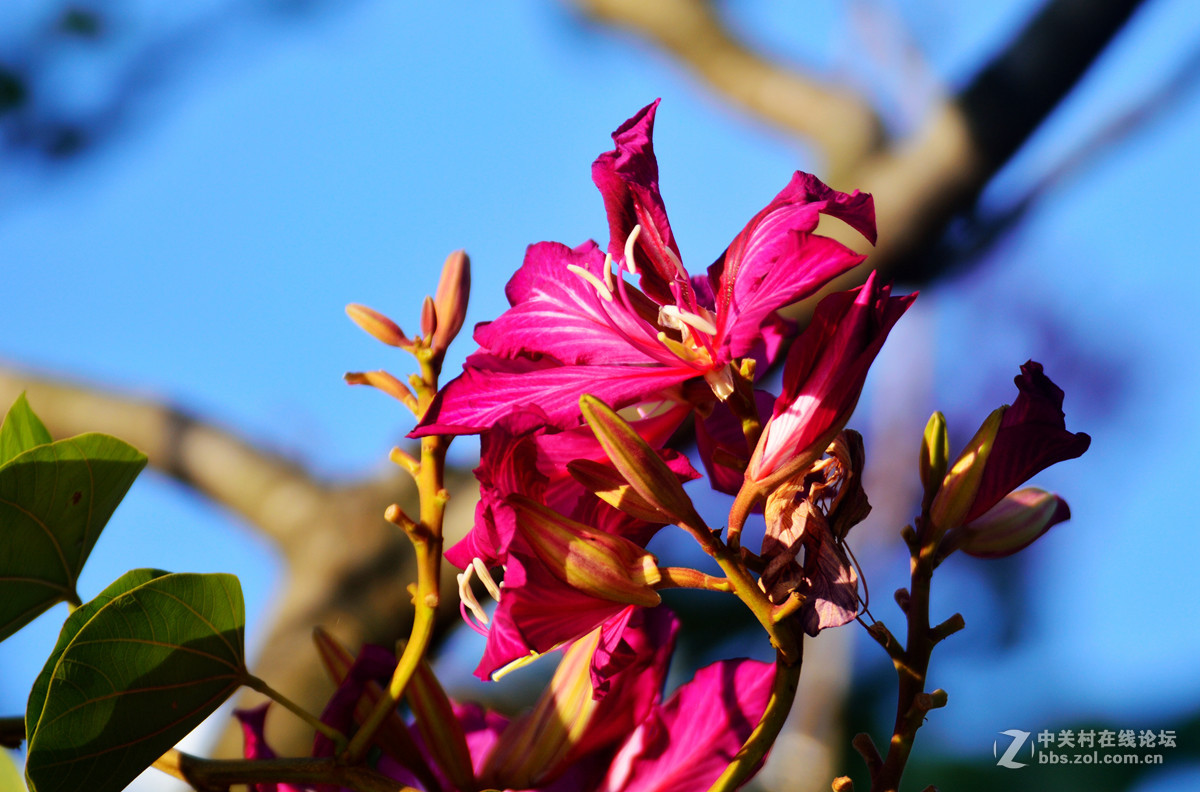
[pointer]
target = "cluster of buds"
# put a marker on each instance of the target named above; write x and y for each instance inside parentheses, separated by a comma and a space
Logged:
(442, 317)
(577, 391)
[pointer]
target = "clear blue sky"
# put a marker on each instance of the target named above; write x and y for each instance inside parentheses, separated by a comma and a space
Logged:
(285, 169)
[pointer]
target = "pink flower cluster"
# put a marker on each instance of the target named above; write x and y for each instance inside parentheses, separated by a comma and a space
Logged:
(577, 390)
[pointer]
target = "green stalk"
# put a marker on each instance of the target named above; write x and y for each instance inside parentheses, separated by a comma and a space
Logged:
(254, 683)
(783, 693)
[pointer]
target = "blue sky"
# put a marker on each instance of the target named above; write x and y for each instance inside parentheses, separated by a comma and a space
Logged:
(205, 256)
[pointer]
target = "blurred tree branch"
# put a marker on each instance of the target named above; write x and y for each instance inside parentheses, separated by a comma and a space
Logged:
(346, 568)
(920, 182)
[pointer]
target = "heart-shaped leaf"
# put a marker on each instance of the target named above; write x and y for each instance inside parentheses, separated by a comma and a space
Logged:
(54, 501)
(141, 667)
(22, 430)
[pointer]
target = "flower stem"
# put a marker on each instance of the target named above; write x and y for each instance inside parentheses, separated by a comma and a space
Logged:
(254, 683)
(685, 577)
(912, 667)
(783, 693)
(206, 774)
(426, 536)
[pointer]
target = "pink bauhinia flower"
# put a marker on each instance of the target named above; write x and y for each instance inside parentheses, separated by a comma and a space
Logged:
(574, 741)
(577, 326)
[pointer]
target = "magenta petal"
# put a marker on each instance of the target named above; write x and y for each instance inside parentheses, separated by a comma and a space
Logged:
(776, 260)
(507, 465)
(627, 178)
(556, 312)
(1032, 436)
(373, 664)
(538, 613)
(488, 389)
(254, 744)
(784, 270)
(687, 743)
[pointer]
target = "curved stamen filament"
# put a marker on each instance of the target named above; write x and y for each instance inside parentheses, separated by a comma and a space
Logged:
(674, 313)
(630, 241)
(595, 282)
(489, 582)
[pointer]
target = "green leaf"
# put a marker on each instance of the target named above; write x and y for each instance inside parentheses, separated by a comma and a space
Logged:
(74, 623)
(22, 430)
(54, 501)
(142, 666)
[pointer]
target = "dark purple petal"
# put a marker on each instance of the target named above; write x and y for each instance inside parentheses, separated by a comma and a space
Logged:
(833, 588)
(254, 744)
(722, 444)
(1032, 436)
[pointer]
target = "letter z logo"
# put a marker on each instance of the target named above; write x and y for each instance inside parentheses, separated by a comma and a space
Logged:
(1018, 739)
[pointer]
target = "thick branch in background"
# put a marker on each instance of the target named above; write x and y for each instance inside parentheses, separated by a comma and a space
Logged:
(345, 567)
(922, 182)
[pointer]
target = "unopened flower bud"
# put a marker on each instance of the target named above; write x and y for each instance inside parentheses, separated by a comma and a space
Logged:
(534, 746)
(384, 382)
(957, 493)
(1012, 524)
(637, 462)
(378, 325)
(441, 731)
(935, 455)
(611, 487)
(429, 319)
(453, 291)
(603, 565)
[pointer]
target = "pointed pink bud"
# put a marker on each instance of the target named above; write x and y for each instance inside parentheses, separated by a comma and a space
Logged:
(378, 325)
(611, 487)
(640, 465)
(602, 565)
(428, 319)
(384, 382)
(453, 291)
(1011, 525)
(961, 483)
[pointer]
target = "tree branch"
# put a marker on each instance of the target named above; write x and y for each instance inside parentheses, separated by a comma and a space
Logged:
(842, 126)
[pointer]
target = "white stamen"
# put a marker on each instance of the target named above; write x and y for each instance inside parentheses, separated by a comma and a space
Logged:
(608, 274)
(671, 316)
(488, 582)
(467, 596)
(675, 260)
(629, 243)
(600, 288)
